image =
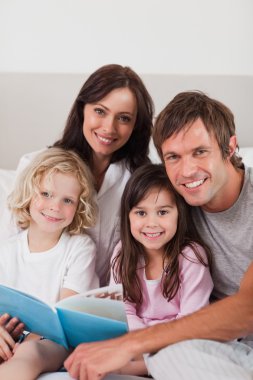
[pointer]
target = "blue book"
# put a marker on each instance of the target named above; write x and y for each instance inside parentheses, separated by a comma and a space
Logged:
(73, 320)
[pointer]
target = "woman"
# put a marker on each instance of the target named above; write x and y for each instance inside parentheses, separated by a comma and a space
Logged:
(109, 126)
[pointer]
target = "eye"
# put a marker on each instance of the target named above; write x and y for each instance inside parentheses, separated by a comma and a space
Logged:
(163, 212)
(200, 152)
(68, 201)
(140, 213)
(45, 194)
(99, 111)
(171, 158)
(125, 118)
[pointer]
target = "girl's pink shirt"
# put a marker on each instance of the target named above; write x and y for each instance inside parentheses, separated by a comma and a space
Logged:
(194, 292)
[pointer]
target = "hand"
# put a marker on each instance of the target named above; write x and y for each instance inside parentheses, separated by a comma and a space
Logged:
(92, 361)
(111, 295)
(10, 329)
(6, 344)
(12, 325)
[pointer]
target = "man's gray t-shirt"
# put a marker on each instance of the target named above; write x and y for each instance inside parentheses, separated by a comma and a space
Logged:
(230, 236)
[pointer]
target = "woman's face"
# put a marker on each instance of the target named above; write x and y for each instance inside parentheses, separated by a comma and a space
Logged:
(108, 123)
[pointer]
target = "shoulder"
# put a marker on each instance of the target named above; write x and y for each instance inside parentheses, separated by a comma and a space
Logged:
(249, 174)
(80, 239)
(12, 243)
(189, 254)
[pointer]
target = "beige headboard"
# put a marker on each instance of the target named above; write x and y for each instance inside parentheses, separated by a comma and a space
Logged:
(34, 107)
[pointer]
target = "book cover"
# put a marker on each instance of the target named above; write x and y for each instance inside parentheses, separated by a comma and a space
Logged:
(81, 318)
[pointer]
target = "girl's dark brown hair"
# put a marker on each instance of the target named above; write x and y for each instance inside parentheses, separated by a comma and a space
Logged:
(127, 261)
(96, 87)
(184, 109)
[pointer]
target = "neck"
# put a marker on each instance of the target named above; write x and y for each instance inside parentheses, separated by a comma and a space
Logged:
(154, 266)
(40, 241)
(100, 166)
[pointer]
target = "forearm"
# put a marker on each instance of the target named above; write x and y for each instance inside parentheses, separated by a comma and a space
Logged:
(224, 320)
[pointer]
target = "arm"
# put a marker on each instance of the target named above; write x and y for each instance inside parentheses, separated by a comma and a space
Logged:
(224, 320)
(134, 322)
(64, 293)
(195, 283)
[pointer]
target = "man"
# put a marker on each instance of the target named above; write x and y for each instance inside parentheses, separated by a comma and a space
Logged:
(195, 138)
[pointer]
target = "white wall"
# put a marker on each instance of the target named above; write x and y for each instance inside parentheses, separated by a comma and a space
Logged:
(47, 47)
(152, 36)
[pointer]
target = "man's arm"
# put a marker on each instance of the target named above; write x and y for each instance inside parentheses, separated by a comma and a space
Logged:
(222, 321)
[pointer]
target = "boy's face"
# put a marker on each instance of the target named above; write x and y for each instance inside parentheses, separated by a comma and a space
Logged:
(55, 206)
(195, 166)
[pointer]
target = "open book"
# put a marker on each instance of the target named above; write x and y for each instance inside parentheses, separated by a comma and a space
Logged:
(73, 320)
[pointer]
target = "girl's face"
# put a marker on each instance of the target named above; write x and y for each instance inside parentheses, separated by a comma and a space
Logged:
(55, 206)
(108, 123)
(153, 221)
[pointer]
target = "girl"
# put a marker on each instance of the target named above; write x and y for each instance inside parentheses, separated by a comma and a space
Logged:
(109, 127)
(52, 203)
(161, 261)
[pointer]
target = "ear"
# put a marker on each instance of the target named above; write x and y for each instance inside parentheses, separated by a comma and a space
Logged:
(232, 145)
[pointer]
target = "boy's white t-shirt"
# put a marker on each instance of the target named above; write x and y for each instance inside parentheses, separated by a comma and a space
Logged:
(69, 264)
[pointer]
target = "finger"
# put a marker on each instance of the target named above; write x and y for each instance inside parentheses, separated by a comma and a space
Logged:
(6, 349)
(11, 324)
(18, 330)
(6, 338)
(68, 362)
(72, 366)
(89, 373)
(4, 319)
(3, 355)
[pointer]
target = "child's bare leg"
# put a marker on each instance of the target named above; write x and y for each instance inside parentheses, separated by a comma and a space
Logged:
(33, 358)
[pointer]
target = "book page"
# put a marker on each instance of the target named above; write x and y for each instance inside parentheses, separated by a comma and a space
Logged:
(93, 302)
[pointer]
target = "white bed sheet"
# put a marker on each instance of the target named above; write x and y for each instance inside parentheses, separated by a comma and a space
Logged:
(65, 376)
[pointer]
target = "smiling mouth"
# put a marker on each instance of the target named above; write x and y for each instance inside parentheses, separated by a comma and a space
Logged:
(193, 185)
(51, 218)
(104, 140)
(154, 235)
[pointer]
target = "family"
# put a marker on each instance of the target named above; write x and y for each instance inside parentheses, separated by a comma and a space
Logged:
(92, 209)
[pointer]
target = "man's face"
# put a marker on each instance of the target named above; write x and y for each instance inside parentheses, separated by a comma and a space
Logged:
(195, 166)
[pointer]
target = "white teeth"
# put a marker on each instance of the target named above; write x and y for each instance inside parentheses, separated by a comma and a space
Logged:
(153, 235)
(104, 139)
(194, 184)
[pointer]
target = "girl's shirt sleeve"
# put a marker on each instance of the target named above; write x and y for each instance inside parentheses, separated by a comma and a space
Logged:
(195, 282)
(134, 322)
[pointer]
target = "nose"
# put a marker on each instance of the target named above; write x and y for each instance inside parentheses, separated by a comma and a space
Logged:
(152, 220)
(188, 167)
(109, 125)
(54, 204)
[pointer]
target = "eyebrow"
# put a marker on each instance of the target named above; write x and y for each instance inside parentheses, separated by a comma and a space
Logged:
(192, 150)
(161, 206)
(108, 109)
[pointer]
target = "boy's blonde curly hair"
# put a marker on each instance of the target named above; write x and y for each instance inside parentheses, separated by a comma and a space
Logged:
(50, 161)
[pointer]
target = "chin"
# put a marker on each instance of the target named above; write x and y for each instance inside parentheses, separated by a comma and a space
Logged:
(194, 202)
